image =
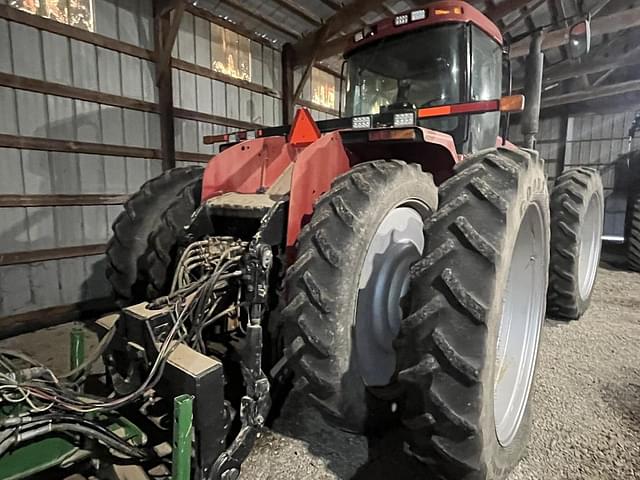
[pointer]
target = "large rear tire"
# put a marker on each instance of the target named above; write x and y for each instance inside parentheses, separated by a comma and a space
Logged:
(346, 286)
(131, 230)
(577, 216)
(159, 261)
(633, 242)
(484, 275)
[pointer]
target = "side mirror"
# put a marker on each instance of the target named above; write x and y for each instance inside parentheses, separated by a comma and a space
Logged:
(580, 39)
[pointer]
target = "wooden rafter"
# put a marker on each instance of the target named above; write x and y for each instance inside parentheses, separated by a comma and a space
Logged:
(527, 11)
(312, 46)
(591, 94)
(566, 71)
(622, 20)
(299, 11)
(334, 5)
(503, 9)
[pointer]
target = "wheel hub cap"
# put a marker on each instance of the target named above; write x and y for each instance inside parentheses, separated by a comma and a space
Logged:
(590, 245)
(520, 324)
(384, 281)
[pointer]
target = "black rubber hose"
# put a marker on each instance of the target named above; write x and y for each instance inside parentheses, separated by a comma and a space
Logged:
(72, 424)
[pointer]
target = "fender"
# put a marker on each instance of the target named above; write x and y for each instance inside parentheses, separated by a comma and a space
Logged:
(434, 151)
(315, 168)
(251, 166)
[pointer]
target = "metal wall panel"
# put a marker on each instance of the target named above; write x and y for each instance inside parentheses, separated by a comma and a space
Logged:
(205, 95)
(42, 55)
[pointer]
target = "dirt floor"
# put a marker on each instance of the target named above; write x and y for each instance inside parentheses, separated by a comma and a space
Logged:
(586, 410)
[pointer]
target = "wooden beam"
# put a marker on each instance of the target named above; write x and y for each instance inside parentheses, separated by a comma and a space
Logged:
(209, 118)
(207, 72)
(46, 254)
(194, 157)
(288, 84)
(36, 21)
(320, 37)
(58, 200)
(319, 108)
(163, 30)
(162, 7)
(565, 71)
(616, 22)
(501, 10)
(51, 88)
(528, 10)
(299, 11)
(20, 323)
(591, 94)
(332, 4)
(61, 90)
(168, 30)
(72, 146)
(632, 57)
(304, 48)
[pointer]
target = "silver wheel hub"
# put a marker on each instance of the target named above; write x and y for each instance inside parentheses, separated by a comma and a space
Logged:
(384, 282)
(589, 248)
(519, 329)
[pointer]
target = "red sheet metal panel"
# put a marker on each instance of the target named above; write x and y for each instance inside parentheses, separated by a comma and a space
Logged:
(315, 168)
(247, 167)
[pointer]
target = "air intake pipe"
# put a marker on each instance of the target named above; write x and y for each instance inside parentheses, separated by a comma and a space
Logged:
(533, 90)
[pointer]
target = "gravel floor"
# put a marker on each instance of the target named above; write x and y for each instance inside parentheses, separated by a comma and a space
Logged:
(586, 410)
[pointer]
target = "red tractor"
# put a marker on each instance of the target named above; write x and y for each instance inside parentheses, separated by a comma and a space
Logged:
(394, 262)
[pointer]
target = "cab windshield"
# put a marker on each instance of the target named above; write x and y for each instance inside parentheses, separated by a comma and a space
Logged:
(423, 68)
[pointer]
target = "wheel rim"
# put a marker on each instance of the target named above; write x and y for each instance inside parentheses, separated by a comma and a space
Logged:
(384, 281)
(590, 244)
(520, 324)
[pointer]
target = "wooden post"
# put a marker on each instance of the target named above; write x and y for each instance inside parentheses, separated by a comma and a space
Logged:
(164, 36)
(288, 104)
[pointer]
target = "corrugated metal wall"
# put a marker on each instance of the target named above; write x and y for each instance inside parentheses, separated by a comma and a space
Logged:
(210, 96)
(597, 140)
(33, 53)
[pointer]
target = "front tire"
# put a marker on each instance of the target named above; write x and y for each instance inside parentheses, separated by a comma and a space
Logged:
(577, 216)
(484, 275)
(362, 238)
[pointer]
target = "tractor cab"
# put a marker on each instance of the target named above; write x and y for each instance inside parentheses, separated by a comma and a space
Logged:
(426, 61)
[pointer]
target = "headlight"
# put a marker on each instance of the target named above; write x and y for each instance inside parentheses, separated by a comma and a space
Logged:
(418, 15)
(361, 122)
(404, 119)
(401, 19)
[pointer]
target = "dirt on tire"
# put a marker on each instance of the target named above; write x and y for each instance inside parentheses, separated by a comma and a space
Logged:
(131, 230)
(159, 261)
(447, 346)
(322, 284)
(571, 200)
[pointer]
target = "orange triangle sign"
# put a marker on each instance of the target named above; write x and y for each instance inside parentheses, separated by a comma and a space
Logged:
(304, 130)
